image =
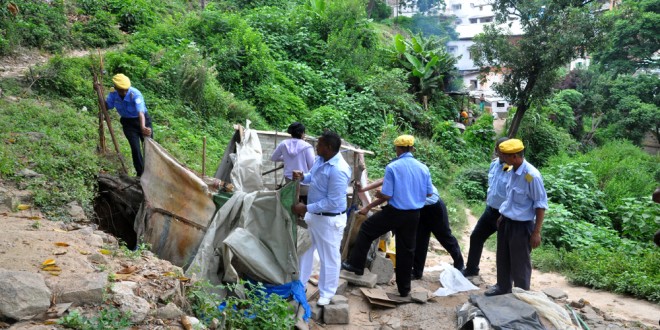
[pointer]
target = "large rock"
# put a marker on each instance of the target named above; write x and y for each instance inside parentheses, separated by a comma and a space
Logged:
(367, 280)
(383, 268)
(7, 199)
(81, 289)
(336, 313)
(138, 307)
(76, 212)
(22, 294)
(170, 311)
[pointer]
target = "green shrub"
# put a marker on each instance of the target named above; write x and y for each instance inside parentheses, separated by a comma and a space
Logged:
(472, 182)
(543, 140)
(622, 170)
(572, 185)
(132, 14)
(327, 117)
(65, 77)
(246, 307)
(99, 31)
(108, 318)
(563, 230)
(480, 136)
(639, 218)
(381, 10)
(279, 105)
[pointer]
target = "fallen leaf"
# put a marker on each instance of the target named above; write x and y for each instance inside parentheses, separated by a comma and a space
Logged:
(52, 268)
(183, 279)
(60, 230)
(83, 252)
(55, 273)
(35, 217)
(50, 322)
(105, 252)
(150, 276)
(170, 274)
(48, 262)
(128, 270)
(62, 244)
(23, 207)
(59, 253)
(122, 277)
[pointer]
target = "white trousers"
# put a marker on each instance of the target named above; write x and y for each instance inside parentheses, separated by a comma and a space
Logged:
(326, 233)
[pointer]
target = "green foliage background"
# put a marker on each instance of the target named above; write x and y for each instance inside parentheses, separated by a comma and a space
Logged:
(331, 65)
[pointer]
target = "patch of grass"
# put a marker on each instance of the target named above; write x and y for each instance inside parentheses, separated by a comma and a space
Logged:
(134, 254)
(108, 318)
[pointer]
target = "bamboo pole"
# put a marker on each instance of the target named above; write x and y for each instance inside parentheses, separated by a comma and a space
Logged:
(204, 157)
(98, 87)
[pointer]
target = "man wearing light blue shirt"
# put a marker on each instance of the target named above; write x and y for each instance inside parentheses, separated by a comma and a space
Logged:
(406, 185)
(521, 220)
(135, 120)
(325, 213)
(498, 177)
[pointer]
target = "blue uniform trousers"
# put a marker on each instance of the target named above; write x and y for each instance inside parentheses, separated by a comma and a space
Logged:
(514, 264)
(434, 219)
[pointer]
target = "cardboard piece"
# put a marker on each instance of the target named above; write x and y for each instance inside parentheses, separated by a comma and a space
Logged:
(378, 297)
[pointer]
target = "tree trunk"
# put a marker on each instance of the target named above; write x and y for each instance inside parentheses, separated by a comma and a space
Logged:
(370, 7)
(515, 124)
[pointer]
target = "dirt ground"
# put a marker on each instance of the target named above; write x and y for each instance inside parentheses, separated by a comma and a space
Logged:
(440, 312)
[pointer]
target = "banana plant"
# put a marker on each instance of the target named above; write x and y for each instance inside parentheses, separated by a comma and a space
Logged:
(427, 62)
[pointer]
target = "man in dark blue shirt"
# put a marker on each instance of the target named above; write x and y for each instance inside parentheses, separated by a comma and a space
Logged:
(134, 120)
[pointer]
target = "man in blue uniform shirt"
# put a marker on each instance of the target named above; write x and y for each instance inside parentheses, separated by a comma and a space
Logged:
(498, 177)
(406, 185)
(134, 120)
(325, 213)
(520, 222)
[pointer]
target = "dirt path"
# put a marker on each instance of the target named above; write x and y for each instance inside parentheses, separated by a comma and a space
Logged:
(614, 305)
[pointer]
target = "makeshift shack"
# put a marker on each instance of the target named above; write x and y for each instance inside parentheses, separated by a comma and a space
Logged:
(249, 233)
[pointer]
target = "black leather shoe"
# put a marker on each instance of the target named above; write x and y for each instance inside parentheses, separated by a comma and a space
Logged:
(404, 294)
(468, 273)
(346, 266)
(415, 276)
(493, 292)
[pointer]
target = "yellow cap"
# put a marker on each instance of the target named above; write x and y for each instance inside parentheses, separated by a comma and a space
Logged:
(511, 146)
(121, 81)
(404, 141)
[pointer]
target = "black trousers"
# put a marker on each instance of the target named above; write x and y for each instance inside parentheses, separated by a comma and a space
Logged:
(434, 219)
(486, 226)
(133, 133)
(403, 223)
(514, 263)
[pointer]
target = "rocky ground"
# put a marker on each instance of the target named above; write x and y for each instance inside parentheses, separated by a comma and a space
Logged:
(90, 274)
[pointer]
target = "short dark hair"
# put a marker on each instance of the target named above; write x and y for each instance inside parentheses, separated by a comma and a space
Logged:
(296, 130)
(332, 140)
(500, 140)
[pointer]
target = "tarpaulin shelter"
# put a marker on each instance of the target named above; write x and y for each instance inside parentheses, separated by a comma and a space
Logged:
(253, 235)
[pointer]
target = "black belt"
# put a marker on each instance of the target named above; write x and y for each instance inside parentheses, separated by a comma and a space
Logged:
(329, 214)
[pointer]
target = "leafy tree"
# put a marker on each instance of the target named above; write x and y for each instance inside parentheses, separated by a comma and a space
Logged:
(633, 37)
(429, 64)
(554, 33)
(423, 6)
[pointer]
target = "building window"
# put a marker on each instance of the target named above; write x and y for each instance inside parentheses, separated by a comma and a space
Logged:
(500, 104)
(486, 19)
(456, 6)
(473, 20)
(452, 49)
(473, 84)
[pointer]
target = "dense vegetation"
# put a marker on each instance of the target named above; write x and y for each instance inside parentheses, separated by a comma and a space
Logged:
(331, 65)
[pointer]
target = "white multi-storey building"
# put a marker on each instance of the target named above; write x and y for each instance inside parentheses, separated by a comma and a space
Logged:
(471, 17)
